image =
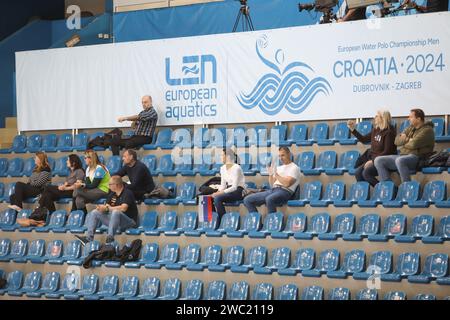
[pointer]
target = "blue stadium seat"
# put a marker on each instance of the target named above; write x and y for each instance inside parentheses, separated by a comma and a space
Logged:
(28, 167)
(264, 160)
(171, 186)
(394, 225)
(346, 163)
(54, 252)
(304, 260)
(395, 295)
(311, 191)
(49, 143)
(163, 140)
(150, 289)
(171, 289)
(295, 223)
(9, 190)
(305, 161)
(407, 192)
(442, 232)
(185, 194)
(14, 282)
(298, 136)
(343, 224)
(166, 166)
(272, 223)
(211, 259)
(218, 137)
(229, 223)
(433, 192)
(216, 290)
(380, 262)
(64, 143)
(129, 289)
(61, 168)
(95, 135)
(319, 134)
(369, 225)
(334, 191)
(89, 287)
(70, 285)
(383, 191)
(251, 222)
(435, 267)
(318, 224)
(354, 262)
(34, 143)
(288, 292)
(168, 223)
(359, 191)
(205, 168)
(19, 251)
(80, 142)
(199, 166)
(19, 144)
(190, 255)
(263, 291)
(256, 257)
(443, 204)
(422, 296)
(15, 167)
(149, 255)
(367, 294)
(328, 261)
(408, 264)
(326, 161)
(108, 289)
(50, 284)
(339, 294)
(277, 135)
(443, 137)
(184, 167)
(113, 164)
(261, 134)
(312, 293)
(169, 255)
(364, 127)
(150, 162)
(148, 223)
(421, 226)
(182, 138)
(246, 164)
(88, 248)
(279, 261)
(239, 291)
(3, 167)
(205, 226)
(72, 252)
(7, 220)
(74, 223)
(188, 224)
(2, 192)
(36, 251)
(193, 290)
(240, 138)
(439, 126)
(57, 220)
(201, 137)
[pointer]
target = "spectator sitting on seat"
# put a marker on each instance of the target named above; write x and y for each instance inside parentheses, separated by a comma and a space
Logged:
(53, 193)
(118, 214)
(232, 182)
(284, 180)
(416, 142)
(381, 140)
(96, 182)
(144, 123)
(141, 181)
(40, 177)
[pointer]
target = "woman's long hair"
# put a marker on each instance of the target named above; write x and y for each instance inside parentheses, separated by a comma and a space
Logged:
(43, 162)
(94, 159)
(385, 121)
(75, 162)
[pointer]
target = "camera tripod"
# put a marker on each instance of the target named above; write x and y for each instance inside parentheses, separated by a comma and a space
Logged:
(244, 13)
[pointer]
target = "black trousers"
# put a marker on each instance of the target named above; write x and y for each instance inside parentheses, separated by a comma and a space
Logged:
(128, 143)
(51, 194)
(22, 192)
(367, 174)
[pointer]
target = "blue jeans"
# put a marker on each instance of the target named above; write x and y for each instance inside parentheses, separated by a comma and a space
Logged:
(271, 198)
(236, 195)
(401, 163)
(115, 221)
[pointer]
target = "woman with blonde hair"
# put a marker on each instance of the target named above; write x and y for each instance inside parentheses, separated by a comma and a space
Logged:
(381, 140)
(40, 177)
(96, 184)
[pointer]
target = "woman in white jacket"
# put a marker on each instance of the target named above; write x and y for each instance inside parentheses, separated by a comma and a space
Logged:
(232, 182)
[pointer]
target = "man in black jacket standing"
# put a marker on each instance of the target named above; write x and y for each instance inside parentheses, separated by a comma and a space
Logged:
(141, 180)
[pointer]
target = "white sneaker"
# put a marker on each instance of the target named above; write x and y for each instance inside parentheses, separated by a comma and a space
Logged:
(14, 207)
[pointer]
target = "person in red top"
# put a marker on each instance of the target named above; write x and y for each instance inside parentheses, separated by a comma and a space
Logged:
(381, 140)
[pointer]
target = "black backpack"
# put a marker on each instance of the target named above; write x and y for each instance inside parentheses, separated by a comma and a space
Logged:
(129, 253)
(439, 159)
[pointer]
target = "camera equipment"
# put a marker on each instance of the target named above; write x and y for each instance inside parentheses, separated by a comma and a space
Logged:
(324, 6)
(244, 11)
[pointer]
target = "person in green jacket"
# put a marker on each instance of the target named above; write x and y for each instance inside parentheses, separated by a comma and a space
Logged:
(415, 143)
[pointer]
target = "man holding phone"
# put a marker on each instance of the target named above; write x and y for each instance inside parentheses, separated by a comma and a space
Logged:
(119, 213)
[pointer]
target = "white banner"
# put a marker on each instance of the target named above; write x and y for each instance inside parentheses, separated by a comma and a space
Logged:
(334, 71)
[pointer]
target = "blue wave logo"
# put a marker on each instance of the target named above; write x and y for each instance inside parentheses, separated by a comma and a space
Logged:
(193, 70)
(289, 87)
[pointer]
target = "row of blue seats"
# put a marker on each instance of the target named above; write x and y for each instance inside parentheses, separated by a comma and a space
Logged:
(260, 135)
(257, 260)
(73, 288)
(298, 225)
(18, 167)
